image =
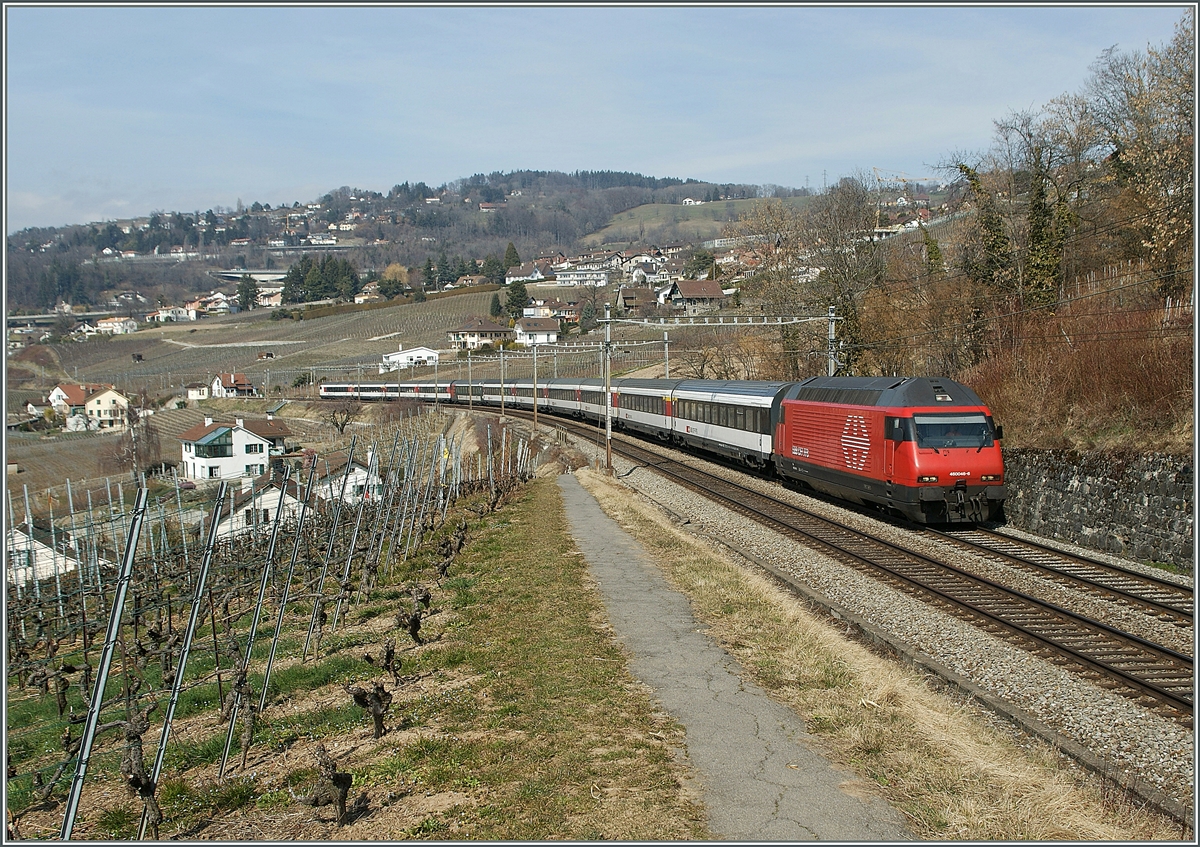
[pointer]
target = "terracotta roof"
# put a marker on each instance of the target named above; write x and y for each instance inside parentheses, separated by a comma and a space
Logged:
(481, 325)
(200, 430)
(234, 380)
(267, 429)
(77, 394)
(698, 289)
(536, 324)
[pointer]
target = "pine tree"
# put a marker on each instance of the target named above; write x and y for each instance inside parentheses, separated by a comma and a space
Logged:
(511, 259)
(517, 298)
(496, 310)
(494, 270)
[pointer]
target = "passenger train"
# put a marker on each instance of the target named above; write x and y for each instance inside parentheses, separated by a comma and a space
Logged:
(922, 447)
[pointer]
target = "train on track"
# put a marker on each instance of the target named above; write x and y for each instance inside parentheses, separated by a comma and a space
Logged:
(922, 447)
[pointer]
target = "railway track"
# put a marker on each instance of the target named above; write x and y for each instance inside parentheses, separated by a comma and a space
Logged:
(1162, 598)
(1160, 677)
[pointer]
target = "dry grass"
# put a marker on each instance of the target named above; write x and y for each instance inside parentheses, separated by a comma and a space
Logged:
(517, 719)
(936, 760)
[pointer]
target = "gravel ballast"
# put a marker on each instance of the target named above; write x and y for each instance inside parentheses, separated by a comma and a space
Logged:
(1128, 742)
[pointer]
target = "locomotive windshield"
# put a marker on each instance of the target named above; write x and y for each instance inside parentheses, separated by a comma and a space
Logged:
(937, 431)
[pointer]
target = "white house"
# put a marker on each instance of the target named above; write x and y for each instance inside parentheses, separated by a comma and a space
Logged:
(363, 479)
(116, 326)
(106, 409)
(232, 385)
(404, 359)
(532, 331)
(67, 398)
(477, 332)
(30, 558)
(525, 272)
(224, 451)
(592, 270)
(253, 511)
(170, 314)
(197, 391)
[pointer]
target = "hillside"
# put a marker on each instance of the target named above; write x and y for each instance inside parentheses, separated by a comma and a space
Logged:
(173, 254)
(180, 353)
(666, 223)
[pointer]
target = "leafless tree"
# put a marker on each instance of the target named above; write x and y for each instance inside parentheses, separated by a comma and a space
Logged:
(341, 414)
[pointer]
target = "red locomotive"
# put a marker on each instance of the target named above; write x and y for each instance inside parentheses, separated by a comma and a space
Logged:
(926, 448)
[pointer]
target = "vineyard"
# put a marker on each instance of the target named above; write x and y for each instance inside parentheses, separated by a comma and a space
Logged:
(153, 636)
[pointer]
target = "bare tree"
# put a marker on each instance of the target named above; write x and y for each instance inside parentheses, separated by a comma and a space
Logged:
(138, 447)
(341, 414)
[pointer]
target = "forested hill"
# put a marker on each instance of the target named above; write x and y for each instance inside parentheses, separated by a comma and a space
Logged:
(167, 254)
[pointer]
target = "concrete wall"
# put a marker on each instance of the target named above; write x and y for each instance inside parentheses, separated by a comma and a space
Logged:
(1134, 505)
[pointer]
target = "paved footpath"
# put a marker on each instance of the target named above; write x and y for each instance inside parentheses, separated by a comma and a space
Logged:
(758, 778)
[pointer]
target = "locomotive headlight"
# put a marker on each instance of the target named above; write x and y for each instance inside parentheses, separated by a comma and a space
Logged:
(927, 479)
(989, 477)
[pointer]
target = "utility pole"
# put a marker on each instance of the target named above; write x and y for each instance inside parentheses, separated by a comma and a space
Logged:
(831, 354)
(470, 387)
(666, 357)
(501, 383)
(535, 389)
(607, 391)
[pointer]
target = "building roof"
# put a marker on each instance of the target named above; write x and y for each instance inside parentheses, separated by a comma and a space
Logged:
(77, 394)
(202, 431)
(538, 325)
(270, 428)
(699, 289)
(266, 430)
(477, 324)
(234, 380)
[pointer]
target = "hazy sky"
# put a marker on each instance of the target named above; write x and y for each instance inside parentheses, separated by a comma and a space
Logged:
(116, 112)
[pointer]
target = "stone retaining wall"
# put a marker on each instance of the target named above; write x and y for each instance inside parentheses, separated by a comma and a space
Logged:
(1134, 505)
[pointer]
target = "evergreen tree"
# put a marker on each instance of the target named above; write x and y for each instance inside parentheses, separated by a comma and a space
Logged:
(511, 259)
(496, 310)
(494, 270)
(429, 274)
(247, 292)
(587, 318)
(517, 298)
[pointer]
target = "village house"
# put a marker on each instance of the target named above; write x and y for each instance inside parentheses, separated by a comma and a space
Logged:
(530, 331)
(254, 510)
(197, 390)
(592, 270)
(525, 272)
(35, 558)
(361, 481)
(116, 326)
(68, 399)
(404, 359)
(696, 296)
(636, 300)
(232, 385)
(477, 332)
(107, 409)
(369, 294)
(229, 451)
(169, 314)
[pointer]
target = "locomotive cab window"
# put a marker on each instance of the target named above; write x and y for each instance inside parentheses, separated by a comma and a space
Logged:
(963, 430)
(898, 429)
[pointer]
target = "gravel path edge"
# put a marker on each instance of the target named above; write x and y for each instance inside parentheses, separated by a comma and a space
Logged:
(862, 630)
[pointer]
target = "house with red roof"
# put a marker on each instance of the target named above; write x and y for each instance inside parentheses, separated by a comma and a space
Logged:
(229, 451)
(232, 385)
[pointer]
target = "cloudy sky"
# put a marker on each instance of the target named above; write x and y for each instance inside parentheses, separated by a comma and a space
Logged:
(116, 112)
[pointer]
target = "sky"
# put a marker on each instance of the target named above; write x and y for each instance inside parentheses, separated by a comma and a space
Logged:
(114, 112)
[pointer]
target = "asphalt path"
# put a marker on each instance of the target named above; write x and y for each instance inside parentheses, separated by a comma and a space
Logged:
(760, 780)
